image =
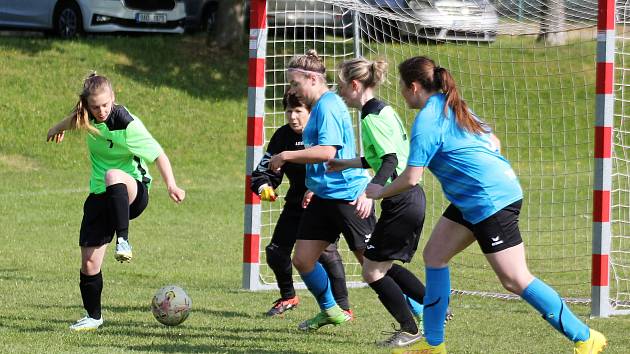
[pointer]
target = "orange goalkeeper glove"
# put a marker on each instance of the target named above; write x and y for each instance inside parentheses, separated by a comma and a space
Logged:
(267, 193)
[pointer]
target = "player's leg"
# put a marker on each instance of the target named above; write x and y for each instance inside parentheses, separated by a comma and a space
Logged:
(318, 230)
(121, 191)
(278, 256)
(447, 240)
(333, 264)
(506, 255)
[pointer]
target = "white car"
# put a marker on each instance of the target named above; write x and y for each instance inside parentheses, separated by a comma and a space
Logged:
(67, 18)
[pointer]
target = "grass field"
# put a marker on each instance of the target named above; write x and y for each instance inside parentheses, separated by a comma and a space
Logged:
(193, 100)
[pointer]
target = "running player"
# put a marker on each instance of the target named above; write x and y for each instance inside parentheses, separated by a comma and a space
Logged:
(338, 204)
(119, 146)
(485, 197)
(264, 182)
(398, 229)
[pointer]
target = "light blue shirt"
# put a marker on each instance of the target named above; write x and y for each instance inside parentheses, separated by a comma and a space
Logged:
(473, 174)
(330, 125)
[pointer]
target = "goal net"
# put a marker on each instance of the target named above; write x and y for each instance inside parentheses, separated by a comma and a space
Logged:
(531, 69)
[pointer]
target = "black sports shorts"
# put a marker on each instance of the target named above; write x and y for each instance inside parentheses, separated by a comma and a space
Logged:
(495, 233)
(398, 229)
(96, 227)
(325, 219)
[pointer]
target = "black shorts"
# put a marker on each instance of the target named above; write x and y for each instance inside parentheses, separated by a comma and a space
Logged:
(495, 233)
(287, 227)
(325, 219)
(96, 227)
(398, 229)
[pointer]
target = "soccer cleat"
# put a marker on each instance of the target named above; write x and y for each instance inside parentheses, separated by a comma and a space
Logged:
(281, 305)
(87, 323)
(595, 344)
(449, 315)
(123, 250)
(322, 319)
(349, 313)
(421, 347)
(399, 338)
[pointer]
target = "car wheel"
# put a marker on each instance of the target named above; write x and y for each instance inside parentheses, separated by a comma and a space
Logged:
(68, 23)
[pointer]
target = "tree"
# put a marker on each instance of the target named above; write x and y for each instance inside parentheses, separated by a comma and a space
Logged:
(552, 23)
(228, 29)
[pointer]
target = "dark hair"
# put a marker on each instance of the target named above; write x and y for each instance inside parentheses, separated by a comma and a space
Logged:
(310, 61)
(292, 101)
(434, 78)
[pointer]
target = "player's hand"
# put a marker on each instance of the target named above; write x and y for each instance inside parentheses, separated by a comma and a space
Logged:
(55, 135)
(176, 193)
(335, 165)
(276, 162)
(308, 195)
(364, 206)
(267, 193)
(374, 191)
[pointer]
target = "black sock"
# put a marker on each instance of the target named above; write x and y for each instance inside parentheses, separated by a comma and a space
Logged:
(118, 203)
(392, 298)
(91, 287)
(408, 282)
(279, 260)
(331, 261)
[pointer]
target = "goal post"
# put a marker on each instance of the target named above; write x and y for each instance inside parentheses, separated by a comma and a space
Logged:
(549, 79)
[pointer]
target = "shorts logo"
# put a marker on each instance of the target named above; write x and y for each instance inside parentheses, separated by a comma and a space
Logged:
(496, 241)
(367, 238)
(370, 247)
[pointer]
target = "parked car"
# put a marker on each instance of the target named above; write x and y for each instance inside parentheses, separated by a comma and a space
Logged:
(67, 18)
(308, 14)
(451, 20)
(200, 14)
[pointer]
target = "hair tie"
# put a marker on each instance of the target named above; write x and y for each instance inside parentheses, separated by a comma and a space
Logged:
(437, 68)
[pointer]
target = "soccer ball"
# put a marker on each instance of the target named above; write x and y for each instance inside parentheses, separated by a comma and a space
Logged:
(171, 305)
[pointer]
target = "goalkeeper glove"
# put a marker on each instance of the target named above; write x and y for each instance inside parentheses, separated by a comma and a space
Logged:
(267, 193)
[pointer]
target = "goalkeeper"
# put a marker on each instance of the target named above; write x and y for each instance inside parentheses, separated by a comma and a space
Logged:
(264, 183)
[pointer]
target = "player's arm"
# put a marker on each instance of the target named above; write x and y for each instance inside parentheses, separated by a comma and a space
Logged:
(312, 155)
(390, 161)
(56, 132)
(164, 166)
(407, 180)
(334, 165)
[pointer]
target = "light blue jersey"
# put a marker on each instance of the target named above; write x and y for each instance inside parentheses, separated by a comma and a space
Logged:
(473, 174)
(330, 125)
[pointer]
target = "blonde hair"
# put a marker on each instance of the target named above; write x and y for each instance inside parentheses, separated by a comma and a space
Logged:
(369, 73)
(80, 114)
(309, 62)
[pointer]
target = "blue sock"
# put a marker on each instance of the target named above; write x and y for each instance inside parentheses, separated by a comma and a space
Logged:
(414, 306)
(547, 301)
(438, 290)
(318, 284)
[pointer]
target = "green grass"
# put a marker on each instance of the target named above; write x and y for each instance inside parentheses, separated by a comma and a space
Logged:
(193, 100)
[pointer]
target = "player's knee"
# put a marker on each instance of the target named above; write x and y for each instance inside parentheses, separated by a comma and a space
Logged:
(113, 176)
(302, 265)
(330, 256)
(433, 259)
(277, 256)
(513, 284)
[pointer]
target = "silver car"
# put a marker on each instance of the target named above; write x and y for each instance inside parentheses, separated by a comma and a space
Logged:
(443, 20)
(308, 14)
(67, 18)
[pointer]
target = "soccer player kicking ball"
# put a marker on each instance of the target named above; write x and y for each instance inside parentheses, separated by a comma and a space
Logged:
(399, 226)
(338, 204)
(264, 182)
(485, 197)
(119, 146)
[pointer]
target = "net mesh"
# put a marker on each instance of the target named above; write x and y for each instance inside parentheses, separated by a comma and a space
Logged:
(528, 69)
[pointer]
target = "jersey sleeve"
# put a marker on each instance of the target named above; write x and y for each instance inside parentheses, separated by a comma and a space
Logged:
(426, 138)
(141, 143)
(262, 174)
(380, 132)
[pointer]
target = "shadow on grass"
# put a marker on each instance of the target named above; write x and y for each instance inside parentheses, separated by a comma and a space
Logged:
(184, 63)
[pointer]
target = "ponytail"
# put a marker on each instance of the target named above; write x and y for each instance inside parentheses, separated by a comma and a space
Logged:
(80, 116)
(435, 78)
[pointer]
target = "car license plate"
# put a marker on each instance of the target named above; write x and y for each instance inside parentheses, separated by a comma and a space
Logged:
(150, 17)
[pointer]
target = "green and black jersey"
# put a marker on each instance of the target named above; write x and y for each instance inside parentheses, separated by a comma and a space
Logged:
(383, 133)
(123, 143)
